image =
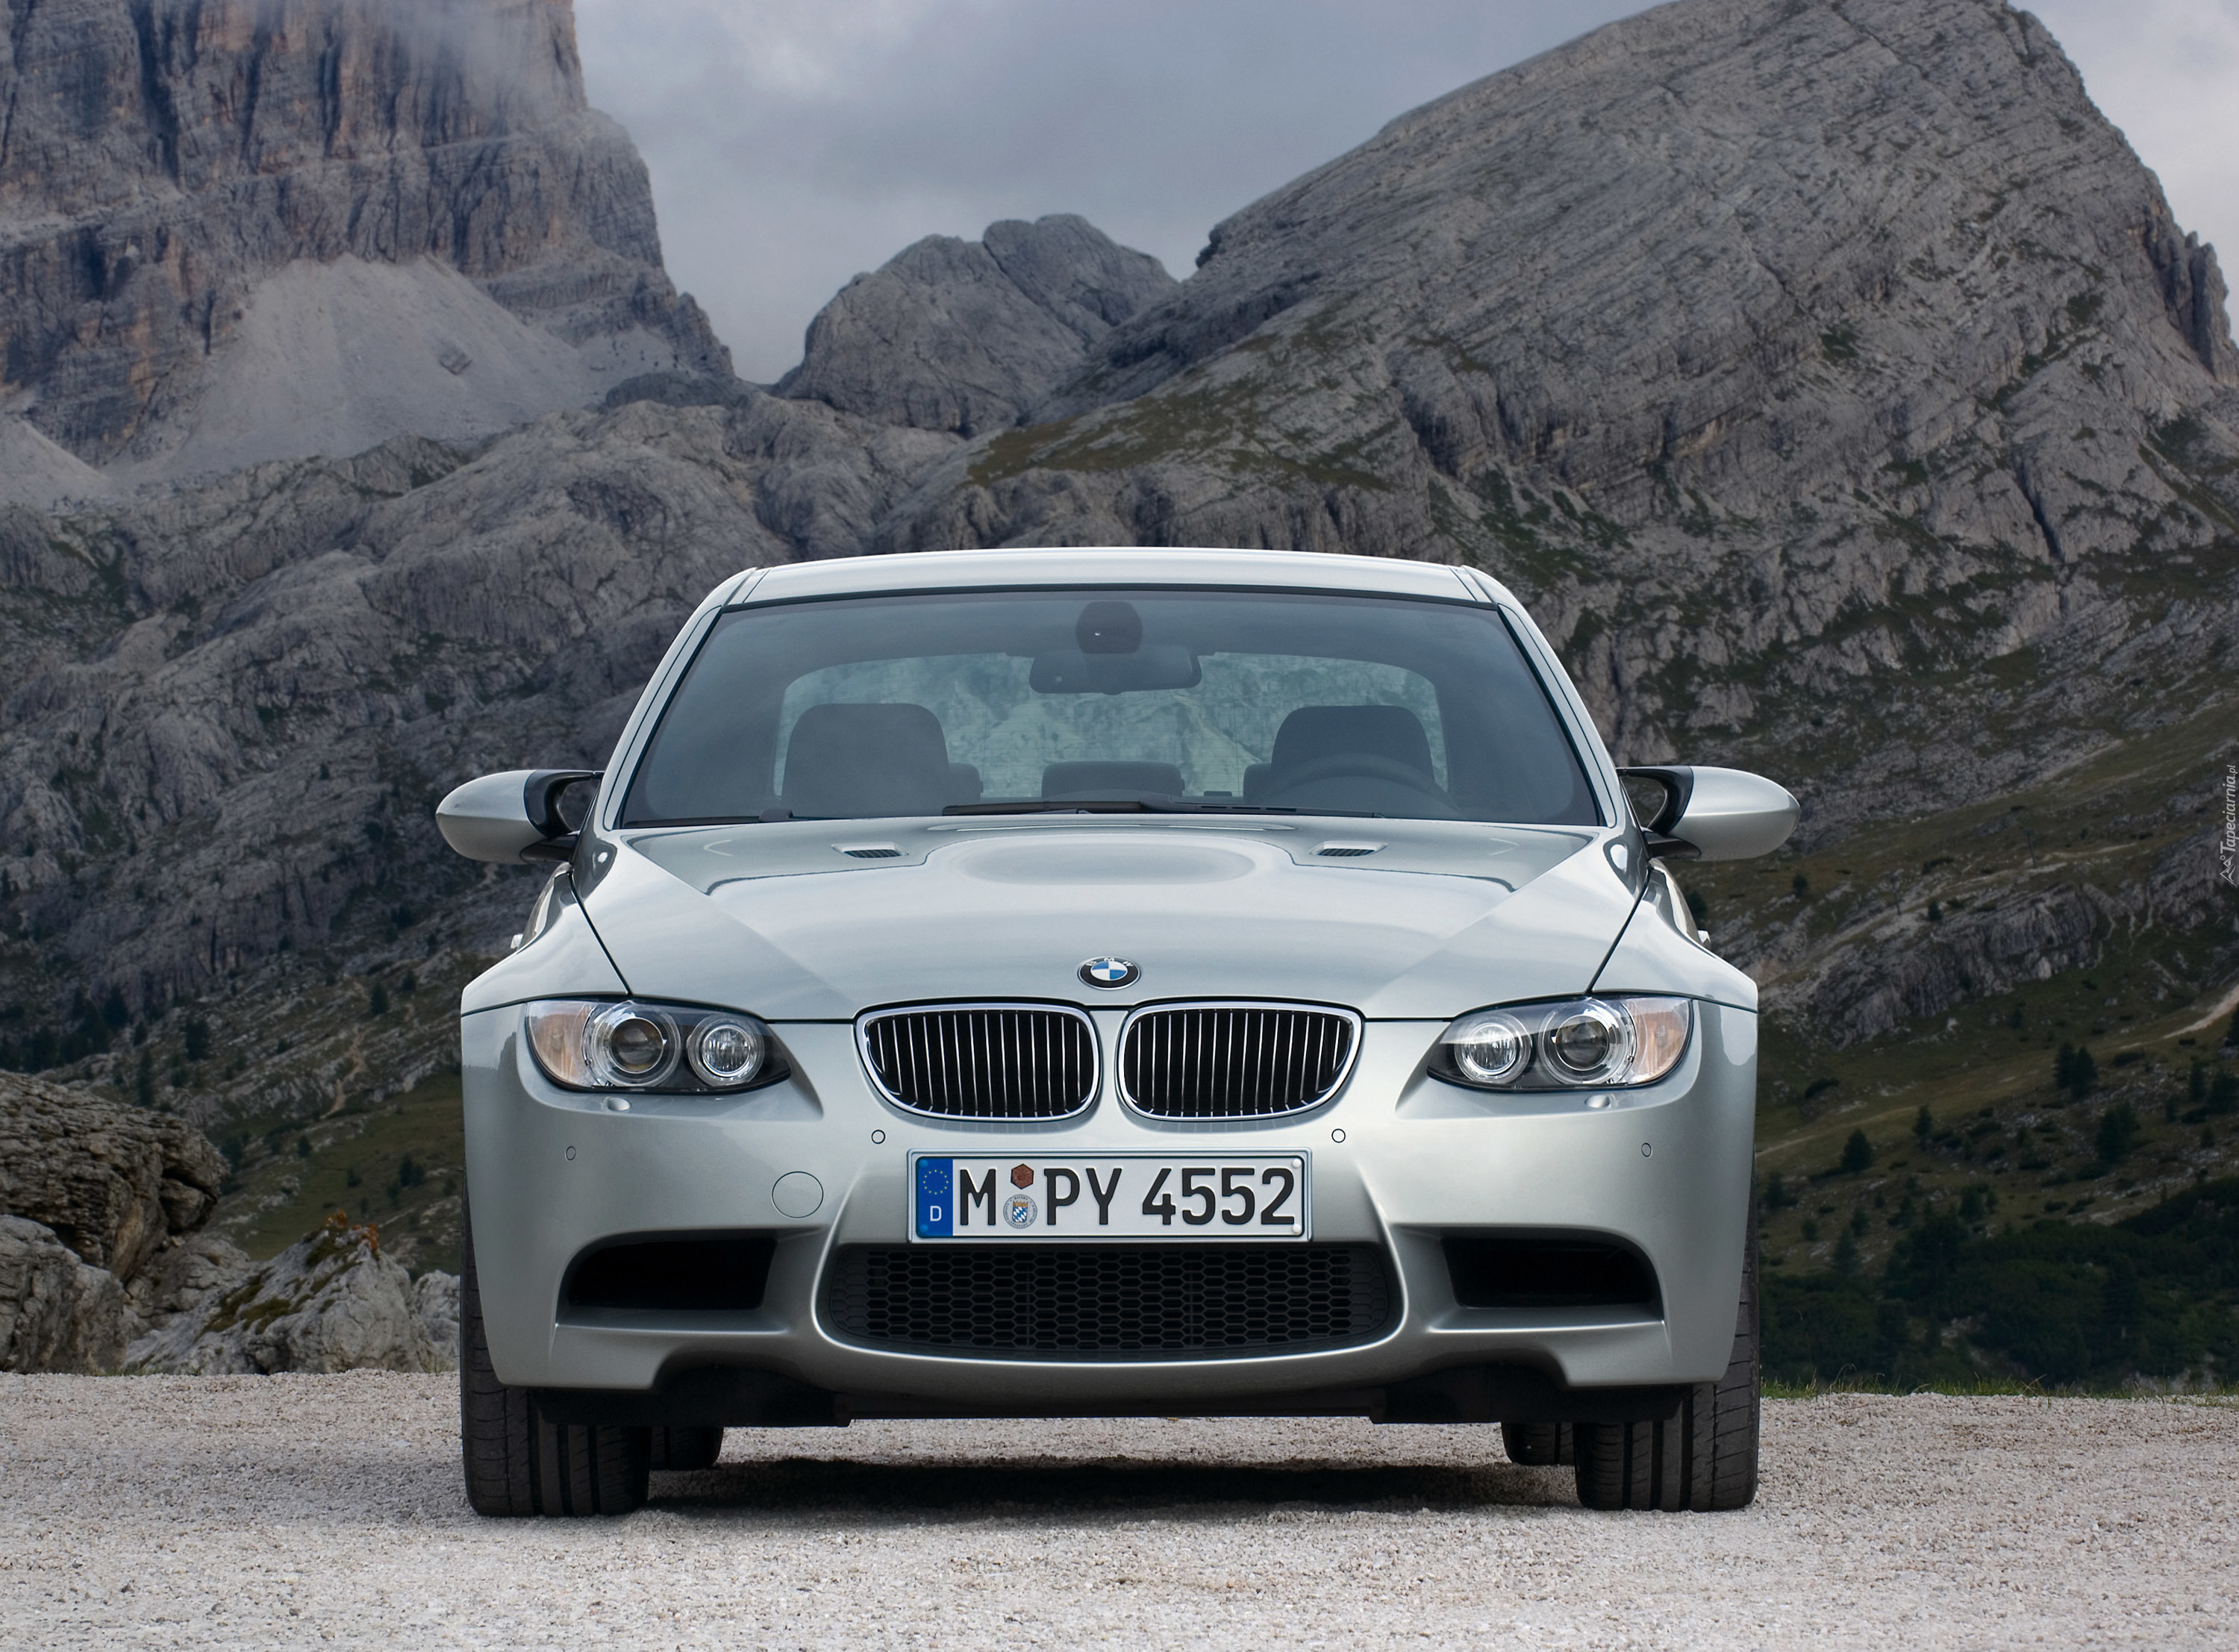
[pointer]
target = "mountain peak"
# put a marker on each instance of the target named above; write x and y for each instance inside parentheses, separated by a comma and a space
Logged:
(965, 335)
(164, 162)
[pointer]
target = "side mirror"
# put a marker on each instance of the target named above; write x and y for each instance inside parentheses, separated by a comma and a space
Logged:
(511, 818)
(1716, 813)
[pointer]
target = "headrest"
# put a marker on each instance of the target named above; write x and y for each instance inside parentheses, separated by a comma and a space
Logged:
(1100, 780)
(856, 760)
(1314, 732)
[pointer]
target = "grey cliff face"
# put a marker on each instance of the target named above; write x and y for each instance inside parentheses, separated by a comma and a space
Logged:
(964, 337)
(164, 162)
(234, 706)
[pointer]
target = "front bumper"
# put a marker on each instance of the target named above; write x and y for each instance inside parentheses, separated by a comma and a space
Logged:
(1399, 1161)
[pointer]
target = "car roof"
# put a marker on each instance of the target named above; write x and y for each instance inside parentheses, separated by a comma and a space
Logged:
(1123, 565)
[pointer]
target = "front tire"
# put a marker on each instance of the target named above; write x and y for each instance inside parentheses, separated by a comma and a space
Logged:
(1703, 1458)
(517, 1462)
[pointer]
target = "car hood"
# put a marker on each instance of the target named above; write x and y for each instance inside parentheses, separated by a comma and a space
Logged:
(821, 921)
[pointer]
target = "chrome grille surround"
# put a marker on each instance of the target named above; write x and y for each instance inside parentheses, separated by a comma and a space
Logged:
(1239, 1058)
(983, 1061)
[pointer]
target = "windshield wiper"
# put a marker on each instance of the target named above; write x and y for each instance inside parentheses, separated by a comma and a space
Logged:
(1055, 805)
(1142, 805)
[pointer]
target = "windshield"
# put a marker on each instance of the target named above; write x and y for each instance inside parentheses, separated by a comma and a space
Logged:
(1119, 699)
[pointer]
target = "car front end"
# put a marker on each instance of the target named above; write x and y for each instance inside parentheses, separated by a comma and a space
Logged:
(1108, 982)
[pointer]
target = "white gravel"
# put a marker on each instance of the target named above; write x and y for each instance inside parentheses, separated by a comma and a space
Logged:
(186, 1511)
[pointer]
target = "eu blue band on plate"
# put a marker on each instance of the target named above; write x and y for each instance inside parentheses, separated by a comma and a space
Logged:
(936, 1204)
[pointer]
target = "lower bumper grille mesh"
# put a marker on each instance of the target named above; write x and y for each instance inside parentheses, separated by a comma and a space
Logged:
(1108, 1302)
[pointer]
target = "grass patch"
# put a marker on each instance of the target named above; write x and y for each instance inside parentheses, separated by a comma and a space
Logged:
(399, 1166)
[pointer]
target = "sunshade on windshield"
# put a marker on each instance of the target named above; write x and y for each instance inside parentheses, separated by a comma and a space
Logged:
(1120, 697)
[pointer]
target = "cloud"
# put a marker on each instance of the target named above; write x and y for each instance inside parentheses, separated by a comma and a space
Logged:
(2167, 72)
(795, 142)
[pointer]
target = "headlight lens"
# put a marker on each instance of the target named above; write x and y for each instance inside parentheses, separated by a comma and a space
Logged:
(627, 1046)
(1589, 1043)
(1490, 1049)
(1585, 1044)
(726, 1050)
(600, 1045)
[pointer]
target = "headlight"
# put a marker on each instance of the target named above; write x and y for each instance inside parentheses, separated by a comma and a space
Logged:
(1586, 1044)
(600, 1045)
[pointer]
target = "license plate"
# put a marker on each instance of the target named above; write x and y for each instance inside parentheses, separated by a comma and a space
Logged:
(1215, 1196)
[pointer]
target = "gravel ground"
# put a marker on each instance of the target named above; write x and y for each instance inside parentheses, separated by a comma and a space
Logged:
(287, 1510)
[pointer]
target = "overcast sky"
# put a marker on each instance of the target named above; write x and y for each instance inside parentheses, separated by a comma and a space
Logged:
(795, 143)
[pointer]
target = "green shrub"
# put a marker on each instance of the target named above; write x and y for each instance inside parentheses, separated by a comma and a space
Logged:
(2068, 1303)
(2118, 1132)
(1857, 1154)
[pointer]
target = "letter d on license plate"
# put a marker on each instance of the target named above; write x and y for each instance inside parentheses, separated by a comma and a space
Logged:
(1126, 1195)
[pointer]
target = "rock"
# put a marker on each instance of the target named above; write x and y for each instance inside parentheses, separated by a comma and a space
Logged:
(181, 1280)
(965, 335)
(103, 1203)
(114, 1182)
(436, 1300)
(680, 390)
(407, 218)
(56, 1312)
(329, 1303)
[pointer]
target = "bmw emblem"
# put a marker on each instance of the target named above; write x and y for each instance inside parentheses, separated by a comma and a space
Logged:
(1110, 973)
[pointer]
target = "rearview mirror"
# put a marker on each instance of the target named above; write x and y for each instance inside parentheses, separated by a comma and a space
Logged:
(511, 818)
(1716, 813)
(1157, 665)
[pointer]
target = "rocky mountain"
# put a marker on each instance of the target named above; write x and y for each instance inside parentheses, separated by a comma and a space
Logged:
(1828, 375)
(236, 230)
(966, 335)
(1778, 350)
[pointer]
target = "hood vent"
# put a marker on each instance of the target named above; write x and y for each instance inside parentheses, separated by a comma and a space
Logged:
(869, 851)
(1347, 851)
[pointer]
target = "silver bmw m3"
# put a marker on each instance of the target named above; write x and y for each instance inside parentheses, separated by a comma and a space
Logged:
(1044, 982)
